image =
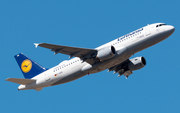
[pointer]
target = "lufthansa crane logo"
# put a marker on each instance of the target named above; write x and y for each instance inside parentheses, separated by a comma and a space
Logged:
(26, 66)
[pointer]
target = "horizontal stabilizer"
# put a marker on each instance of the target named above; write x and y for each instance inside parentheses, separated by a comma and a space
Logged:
(20, 81)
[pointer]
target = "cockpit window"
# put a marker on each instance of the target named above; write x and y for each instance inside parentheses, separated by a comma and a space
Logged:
(160, 25)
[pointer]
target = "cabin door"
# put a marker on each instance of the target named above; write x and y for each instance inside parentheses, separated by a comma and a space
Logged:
(148, 30)
(47, 78)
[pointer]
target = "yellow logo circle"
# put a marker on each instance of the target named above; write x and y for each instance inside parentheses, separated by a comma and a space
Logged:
(26, 66)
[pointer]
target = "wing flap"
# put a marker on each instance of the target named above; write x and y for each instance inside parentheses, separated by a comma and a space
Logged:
(20, 81)
(122, 69)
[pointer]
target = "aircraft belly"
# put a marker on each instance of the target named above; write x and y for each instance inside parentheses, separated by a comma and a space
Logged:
(69, 78)
(70, 74)
(110, 63)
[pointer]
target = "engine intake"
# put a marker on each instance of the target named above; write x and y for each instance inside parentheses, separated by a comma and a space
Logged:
(136, 63)
(106, 53)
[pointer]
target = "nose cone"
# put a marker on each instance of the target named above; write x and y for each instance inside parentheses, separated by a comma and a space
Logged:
(170, 29)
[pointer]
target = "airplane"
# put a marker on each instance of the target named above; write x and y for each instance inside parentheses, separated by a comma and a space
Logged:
(113, 56)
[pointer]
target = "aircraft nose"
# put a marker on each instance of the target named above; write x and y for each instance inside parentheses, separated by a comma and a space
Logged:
(170, 29)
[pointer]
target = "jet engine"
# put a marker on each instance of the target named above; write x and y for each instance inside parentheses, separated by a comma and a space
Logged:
(130, 66)
(106, 53)
(136, 63)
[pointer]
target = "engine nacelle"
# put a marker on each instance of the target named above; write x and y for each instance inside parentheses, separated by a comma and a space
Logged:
(106, 53)
(136, 63)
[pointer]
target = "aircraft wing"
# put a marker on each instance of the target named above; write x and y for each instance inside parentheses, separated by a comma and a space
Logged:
(82, 53)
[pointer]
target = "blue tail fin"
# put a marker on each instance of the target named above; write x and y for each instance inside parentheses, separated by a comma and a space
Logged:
(28, 67)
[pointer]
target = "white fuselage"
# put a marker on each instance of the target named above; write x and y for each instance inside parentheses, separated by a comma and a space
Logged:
(127, 45)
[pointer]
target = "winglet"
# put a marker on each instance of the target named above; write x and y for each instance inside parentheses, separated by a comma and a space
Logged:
(36, 45)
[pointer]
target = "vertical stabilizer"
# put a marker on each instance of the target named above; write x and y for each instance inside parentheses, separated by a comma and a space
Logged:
(28, 67)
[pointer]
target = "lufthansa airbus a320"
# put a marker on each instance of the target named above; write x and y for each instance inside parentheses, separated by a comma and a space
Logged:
(113, 56)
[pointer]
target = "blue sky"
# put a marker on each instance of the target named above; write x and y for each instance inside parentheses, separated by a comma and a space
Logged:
(89, 24)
